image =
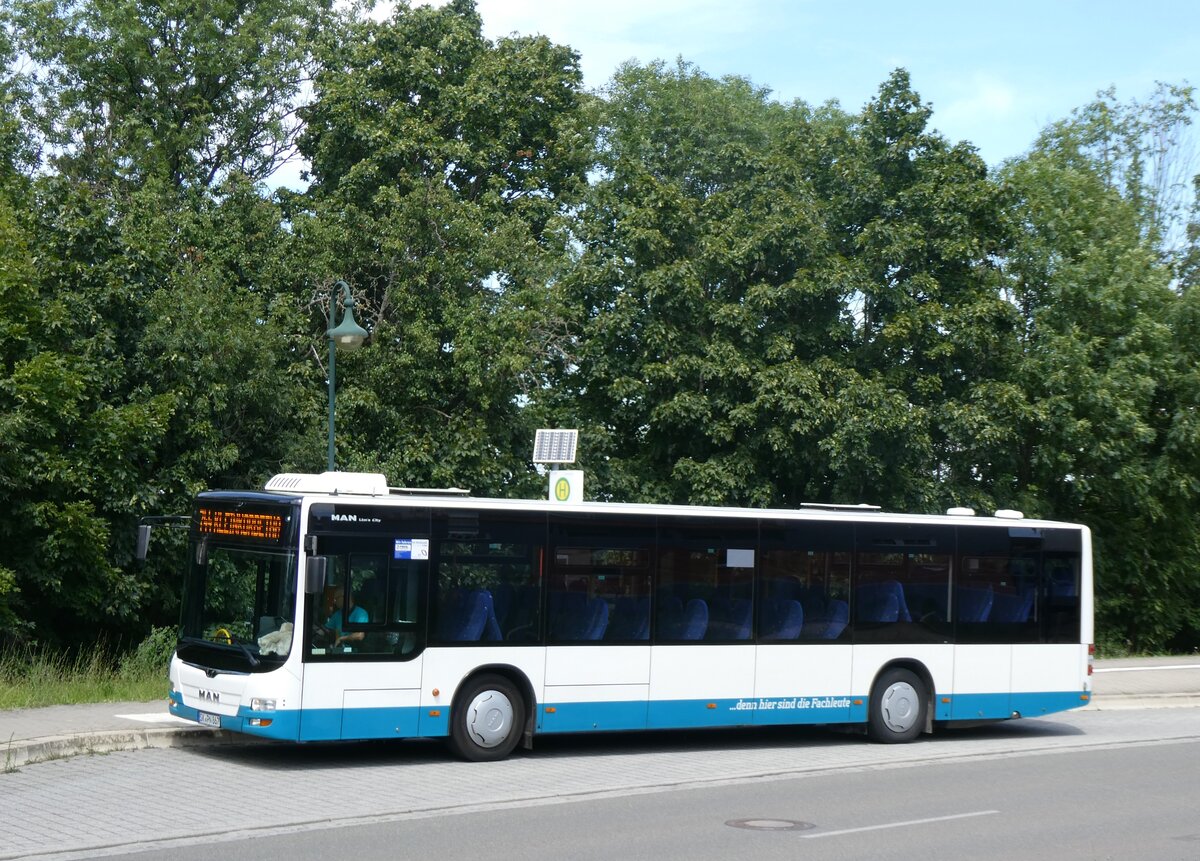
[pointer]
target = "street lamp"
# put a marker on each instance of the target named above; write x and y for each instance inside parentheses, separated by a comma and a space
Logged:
(347, 335)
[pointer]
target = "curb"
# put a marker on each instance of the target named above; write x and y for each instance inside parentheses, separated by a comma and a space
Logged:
(35, 750)
(1116, 702)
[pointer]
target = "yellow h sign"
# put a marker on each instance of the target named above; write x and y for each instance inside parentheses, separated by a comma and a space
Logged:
(566, 485)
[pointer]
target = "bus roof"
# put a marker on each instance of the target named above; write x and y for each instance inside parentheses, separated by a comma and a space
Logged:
(372, 488)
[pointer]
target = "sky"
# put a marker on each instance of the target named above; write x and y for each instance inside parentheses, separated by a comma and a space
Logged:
(995, 73)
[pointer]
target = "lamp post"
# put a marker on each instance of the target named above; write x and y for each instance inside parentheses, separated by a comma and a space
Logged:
(347, 335)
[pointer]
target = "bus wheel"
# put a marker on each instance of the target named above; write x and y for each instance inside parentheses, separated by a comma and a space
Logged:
(488, 719)
(896, 712)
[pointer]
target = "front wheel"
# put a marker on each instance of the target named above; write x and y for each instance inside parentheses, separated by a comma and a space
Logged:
(487, 720)
(897, 709)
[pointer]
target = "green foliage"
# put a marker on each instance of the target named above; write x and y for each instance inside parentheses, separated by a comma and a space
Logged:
(738, 301)
(780, 305)
(151, 658)
(440, 161)
(186, 91)
(1107, 366)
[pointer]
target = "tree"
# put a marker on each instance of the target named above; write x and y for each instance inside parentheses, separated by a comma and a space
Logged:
(776, 304)
(187, 91)
(440, 162)
(151, 351)
(1145, 151)
(1108, 373)
(920, 228)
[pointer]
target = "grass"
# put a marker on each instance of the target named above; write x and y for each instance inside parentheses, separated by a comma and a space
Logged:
(30, 678)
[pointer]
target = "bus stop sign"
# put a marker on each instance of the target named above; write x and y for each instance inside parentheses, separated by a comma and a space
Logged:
(566, 485)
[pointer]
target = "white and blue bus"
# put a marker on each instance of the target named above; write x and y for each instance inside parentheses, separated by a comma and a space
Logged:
(334, 607)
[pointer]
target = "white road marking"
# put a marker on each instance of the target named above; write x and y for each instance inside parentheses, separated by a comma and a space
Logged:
(898, 824)
(1145, 669)
(156, 717)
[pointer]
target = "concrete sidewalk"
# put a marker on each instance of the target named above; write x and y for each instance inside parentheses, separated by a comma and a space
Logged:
(34, 735)
(53, 732)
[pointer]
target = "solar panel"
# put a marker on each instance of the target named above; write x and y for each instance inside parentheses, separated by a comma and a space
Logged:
(553, 445)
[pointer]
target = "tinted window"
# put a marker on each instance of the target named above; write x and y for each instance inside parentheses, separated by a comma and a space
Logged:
(599, 581)
(487, 577)
(371, 605)
(804, 590)
(705, 586)
(997, 586)
(902, 579)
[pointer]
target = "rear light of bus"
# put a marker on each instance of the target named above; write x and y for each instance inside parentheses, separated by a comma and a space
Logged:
(1091, 658)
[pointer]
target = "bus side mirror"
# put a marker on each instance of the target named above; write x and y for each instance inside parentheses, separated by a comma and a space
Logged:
(314, 574)
(143, 542)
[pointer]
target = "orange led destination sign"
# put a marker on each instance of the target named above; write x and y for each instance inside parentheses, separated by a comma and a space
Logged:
(241, 524)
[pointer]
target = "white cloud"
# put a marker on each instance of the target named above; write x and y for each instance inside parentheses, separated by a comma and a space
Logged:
(986, 99)
(607, 33)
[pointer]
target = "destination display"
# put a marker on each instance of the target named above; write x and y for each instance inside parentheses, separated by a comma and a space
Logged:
(249, 525)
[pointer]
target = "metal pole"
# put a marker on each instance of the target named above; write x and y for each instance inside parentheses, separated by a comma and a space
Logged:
(332, 351)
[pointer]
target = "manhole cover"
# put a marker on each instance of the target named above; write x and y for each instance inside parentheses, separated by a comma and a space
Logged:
(770, 824)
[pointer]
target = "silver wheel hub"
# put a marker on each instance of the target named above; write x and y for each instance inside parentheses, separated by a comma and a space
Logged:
(899, 707)
(489, 718)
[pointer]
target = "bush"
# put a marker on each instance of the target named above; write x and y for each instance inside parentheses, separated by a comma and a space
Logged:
(152, 656)
(31, 678)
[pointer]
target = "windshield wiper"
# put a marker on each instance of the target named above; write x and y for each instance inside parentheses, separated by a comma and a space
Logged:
(254, 662)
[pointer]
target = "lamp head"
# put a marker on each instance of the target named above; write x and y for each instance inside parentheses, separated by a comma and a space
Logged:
(347, 335)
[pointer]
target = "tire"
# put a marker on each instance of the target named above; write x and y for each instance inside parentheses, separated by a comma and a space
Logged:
(487, 720)
(897, 709)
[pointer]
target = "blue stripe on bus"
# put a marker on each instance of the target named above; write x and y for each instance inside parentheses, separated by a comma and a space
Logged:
(283, 724)
(568, 717)
(1031, 705)
(992, 706)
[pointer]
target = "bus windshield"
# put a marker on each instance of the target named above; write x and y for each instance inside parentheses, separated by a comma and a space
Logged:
(239, 606)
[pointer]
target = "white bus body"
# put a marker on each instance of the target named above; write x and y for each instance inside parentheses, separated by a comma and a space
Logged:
(492, 621)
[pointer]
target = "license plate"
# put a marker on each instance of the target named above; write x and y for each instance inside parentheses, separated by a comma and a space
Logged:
(207, 719)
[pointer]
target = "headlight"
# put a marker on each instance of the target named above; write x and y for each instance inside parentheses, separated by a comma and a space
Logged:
(262, 705)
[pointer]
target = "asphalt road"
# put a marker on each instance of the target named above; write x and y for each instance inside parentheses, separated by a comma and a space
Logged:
(1127, 802)
(1119, 784)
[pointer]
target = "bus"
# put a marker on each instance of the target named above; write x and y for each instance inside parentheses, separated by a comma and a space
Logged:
(332, 607)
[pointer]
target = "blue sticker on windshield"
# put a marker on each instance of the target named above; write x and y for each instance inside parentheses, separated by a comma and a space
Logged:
(411, 548)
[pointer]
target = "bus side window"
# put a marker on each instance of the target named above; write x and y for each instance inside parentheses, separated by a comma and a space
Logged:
(487, 577)
(902, 583)
(996, 585)
(804, 581)
(705, 580)
(598, 585)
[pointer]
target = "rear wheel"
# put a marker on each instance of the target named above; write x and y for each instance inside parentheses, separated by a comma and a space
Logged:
(487, 720)
(896, 712)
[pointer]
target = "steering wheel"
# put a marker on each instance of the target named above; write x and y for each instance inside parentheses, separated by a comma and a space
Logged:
(223, 633)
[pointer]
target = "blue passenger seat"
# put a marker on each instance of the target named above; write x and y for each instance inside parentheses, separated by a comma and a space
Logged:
(677, 621)
(1007, 607)
(827, 623)
(465, 615)
(730, 619)
(630, 620)
(974, 605)
(839, 617)
(882, 602)
(782, 620)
